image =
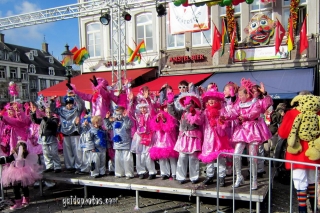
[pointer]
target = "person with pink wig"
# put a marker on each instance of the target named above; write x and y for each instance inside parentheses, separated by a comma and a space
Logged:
(215, 138)
(165, 126)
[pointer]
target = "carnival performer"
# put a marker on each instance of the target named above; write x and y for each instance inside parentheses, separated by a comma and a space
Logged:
(266, 101)
(97, 141)
(48, 138)
(121, 126)
(22, 172)
(142, 138)
(300, 126)
(69, 121)
(165, 126)
(215, 138)
(85, 145)
(190, 136)
(247, 112)
(230, 92)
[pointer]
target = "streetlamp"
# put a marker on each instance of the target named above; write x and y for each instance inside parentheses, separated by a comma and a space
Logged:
(67, 62)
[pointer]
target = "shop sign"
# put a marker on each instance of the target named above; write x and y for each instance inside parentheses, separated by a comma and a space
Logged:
(263, 53)
(187, 59)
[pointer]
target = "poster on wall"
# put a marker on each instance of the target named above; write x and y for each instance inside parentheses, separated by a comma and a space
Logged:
(264, 53)
(183, 19)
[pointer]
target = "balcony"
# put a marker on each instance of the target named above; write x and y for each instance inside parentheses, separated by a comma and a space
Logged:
(16, 80)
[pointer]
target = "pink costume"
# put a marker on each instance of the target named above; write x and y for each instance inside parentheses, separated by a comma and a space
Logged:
(19, 126)
(22, 170)
(165, 137)
(215, 138)
(100, 100)
(250, 130)
(265, 103)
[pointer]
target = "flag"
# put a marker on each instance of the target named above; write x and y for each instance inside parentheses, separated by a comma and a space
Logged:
(290, 36)
(74, 49)
(303, 37)
(280, 32)
(224, 36)
(80, 56)
(216, 41)
(233, 39)
(140, 48)
(137, 57)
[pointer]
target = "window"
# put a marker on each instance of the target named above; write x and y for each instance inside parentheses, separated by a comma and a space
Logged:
(237, 16)
(174, 41)
(31, 56)
(3, 93)
(257, 7)
(33, 84)
(33, 96)
(51, 61)
(2, 72)
(144, 30)
(94, 39)
(13, 73)
(24, 90)
(301, 15)
(34, 52)
(51, 71)
(32, 69)
(6, 54)
(52, 83)
(24, 76)
(43, 84)
(16, 55)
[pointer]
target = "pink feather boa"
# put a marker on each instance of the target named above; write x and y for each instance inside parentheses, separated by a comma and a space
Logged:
(162, 153)
(214, 155)
(193, 118)
(13, 89)
(168, 126)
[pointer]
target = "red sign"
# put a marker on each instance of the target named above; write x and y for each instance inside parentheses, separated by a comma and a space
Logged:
(187, 59)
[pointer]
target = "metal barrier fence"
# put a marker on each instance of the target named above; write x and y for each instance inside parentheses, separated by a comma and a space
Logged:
(271, 174)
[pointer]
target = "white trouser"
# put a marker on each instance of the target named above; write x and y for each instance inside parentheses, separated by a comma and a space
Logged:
(182, 166)
(111, 165)
(143, 162)
(123, 163)
(253, 149)
(99, 159)
(222, 168)
(302, 178)
(167, 165)
(85, 164)
(51, 156)
(71, 152)
(260, 161)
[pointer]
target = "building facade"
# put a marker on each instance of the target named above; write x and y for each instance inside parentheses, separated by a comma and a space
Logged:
(190, 52)
(31, 69)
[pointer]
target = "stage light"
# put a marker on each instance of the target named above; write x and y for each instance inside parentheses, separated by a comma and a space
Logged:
(105, 18)
(126, 16)
(161, 10)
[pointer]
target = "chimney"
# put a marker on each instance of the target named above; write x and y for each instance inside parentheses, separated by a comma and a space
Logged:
(45, 47)
(1, 37)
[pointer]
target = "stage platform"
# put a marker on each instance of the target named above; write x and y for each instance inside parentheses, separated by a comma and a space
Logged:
(171, 187)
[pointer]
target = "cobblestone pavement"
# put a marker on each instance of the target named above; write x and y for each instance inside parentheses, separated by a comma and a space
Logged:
(52, 201)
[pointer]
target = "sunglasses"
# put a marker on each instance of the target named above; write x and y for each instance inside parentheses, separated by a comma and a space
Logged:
(182, 87)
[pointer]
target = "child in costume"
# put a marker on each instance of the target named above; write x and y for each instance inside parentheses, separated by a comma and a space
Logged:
(165, 128)
(301, 127)
(48, 139)
(190, 135)
(22, 172)
(121, 125)
(97, 141)
(69, 126)
(215, 138)
(247, 111)
(85, 146)
(142, 138)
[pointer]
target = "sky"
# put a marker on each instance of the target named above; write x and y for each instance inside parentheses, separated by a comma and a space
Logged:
(57, 34)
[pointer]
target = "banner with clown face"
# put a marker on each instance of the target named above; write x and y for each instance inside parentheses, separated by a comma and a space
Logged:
(260, 29)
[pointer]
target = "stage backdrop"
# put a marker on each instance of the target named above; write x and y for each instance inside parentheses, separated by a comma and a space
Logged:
(183, 19)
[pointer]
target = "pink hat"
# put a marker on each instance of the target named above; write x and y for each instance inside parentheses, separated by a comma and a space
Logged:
(185, 98)
(212, 93)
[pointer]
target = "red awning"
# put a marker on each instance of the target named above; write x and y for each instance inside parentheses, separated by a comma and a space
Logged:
(83, 83)
(173, 81)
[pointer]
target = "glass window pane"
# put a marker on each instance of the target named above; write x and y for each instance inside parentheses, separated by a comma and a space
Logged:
(196, 38)
(92, 27)
(149, 30)
(98, 50)
(222, 10)
(140, 32)
(149, 44)
(303, 1)
(287, 3)
(144, 18)
(256, 5)
(180, 40)
(285, 17)
(237, 8)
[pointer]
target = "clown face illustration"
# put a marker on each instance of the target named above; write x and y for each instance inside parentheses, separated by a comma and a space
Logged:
(260, 29)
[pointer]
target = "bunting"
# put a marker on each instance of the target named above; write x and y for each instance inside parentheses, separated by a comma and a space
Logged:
(304, 44)
(290, 36)
(224, 36)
